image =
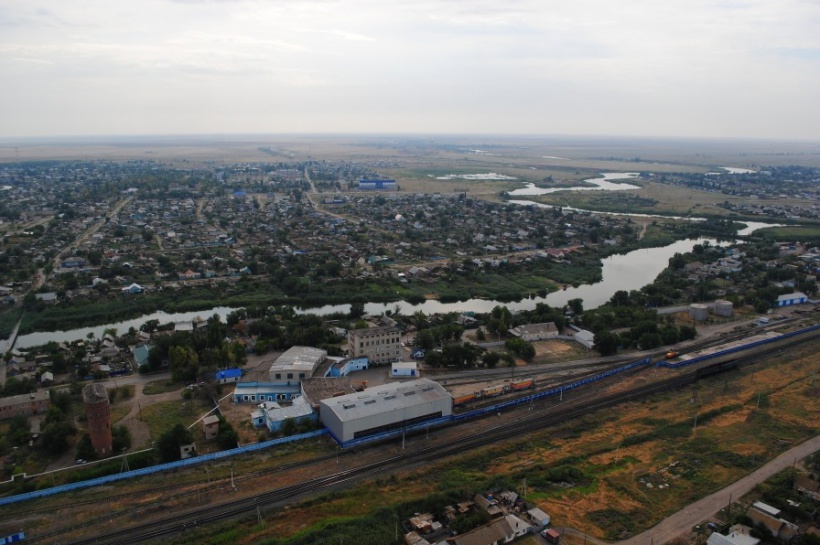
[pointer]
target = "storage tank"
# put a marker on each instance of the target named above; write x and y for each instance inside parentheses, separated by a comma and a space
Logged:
(724, 308)
(98, 414)
(699, 312)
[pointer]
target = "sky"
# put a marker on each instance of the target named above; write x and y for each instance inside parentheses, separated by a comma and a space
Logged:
(671, 68)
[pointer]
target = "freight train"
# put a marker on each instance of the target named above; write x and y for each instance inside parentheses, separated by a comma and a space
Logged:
(494, 391)
(719, 359)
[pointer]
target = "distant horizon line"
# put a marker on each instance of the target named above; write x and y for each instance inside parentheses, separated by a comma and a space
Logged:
(528, 136)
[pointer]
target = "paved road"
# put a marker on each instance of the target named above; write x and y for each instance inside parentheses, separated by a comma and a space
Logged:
(694, 514)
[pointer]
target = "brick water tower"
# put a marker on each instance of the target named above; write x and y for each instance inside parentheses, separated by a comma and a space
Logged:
(98, 413)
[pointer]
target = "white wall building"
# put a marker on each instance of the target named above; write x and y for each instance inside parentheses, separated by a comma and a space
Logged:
(383, 408)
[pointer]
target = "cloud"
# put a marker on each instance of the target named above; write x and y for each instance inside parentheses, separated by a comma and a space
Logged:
(442, 65)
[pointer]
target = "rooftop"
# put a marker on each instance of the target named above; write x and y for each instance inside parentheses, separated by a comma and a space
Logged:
(94, 393)
(39, 395)
(319, 388)
(387, 397)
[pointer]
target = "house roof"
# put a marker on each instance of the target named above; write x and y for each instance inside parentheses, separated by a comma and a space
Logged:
(790, 296)
(300, 407)
(39, 395)
(535, 329)
(228, 373)
(492, 532)
(733, 538)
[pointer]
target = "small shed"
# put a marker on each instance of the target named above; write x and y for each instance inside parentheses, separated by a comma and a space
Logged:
(210, 427)
(538, 517)
(187, 451)
(228, 375)
(404, 369)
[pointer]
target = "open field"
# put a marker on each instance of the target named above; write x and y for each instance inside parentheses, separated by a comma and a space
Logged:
(581, 153)
(652, 198)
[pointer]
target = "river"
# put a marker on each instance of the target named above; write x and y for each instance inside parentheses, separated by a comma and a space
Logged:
(627, 272)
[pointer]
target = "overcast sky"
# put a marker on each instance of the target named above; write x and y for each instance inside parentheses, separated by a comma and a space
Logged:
(689, 68)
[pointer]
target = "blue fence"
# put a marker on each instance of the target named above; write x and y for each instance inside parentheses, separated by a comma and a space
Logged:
(158, 468)
(676, 365)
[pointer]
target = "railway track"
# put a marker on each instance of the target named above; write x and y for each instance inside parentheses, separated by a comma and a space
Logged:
(281, 496)
(549, 412)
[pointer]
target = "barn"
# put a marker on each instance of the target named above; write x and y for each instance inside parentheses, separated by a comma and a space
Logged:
(383, 408)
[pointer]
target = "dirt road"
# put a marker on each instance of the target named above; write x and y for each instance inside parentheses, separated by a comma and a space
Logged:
(683, 521)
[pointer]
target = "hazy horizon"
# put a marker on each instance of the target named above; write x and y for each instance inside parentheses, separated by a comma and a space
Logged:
(679, 69)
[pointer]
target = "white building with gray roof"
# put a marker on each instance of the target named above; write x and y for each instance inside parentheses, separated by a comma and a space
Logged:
(295, 364)
(385, 407)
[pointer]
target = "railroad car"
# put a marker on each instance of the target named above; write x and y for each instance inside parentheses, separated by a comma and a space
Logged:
(522, 385)
(463, 400)
(493, 391)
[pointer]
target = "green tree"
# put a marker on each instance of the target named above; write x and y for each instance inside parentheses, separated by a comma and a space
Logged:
(577, 306)
(184, 362)
(85, 449)
(606, 343)
(54, 439)
(169, 443)
(19, 430)
(490, 359)
(226, 436)
(120, 438)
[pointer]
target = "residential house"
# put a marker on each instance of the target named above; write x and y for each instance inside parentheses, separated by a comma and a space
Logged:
(738, 535)
(501, 530)
(769, 517)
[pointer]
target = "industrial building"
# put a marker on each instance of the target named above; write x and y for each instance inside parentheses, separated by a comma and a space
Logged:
(383, 184)
(796, 298)
(295, 364)
(383, 408)
(699, 312)
(379, 345)
(273, 416)
(286, 375)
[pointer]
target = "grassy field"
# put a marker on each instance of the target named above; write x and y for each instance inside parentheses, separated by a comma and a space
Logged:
(597, 153)
(161, 417)
(801, 233)
(160, 387)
